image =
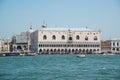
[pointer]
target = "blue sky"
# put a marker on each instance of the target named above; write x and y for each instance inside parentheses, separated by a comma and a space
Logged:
(17, 15)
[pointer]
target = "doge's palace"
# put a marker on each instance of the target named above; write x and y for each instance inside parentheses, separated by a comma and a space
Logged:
(65, 40)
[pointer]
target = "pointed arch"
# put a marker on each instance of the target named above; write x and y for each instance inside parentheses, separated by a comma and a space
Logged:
(77, 37)
(62, 37)
(44, 37)
(86, 38)
(53, 37)
(40, 50)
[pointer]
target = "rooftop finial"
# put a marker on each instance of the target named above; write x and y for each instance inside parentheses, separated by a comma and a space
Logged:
(30, 26)
(30, 30)
(44, 25)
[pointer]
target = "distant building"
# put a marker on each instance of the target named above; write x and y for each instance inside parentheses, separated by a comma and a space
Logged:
(105, 45)
(13, 44)
(4, 45)
(1, 45)
(62, 40)
(115, 45)
(21, 42)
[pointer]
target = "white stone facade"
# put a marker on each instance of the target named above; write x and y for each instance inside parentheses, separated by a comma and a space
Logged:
(4, 45)
(73, 40)
(21, 42)
(115, 45)
(1, 45)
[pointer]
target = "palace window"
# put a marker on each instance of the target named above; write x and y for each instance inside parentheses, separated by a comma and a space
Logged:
(86, 38)
(53, 37)
(117, 44)
(95, 38)
(70, 38)
(117, 49)
(63, 37)
(113, 49)
(44, 37)
(97, 49)
(77, 37)
(113, 44)
(40, 45)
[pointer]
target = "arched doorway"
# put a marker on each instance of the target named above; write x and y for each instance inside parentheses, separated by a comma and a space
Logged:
(69, 51)
(62, 50)
(51, 51)
(76, 51)
(83, 51)
(47, 51)
(54, 50)
(66, 51)
(94, 50)
(40, 51)
(87, 51)
(58, 51)
(80, 50)
(90, 50)
(19, 48)
(44, 51)
(72, 50)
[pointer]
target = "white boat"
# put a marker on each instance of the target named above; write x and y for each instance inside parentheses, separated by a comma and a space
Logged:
(22, 54)
(27, 53)
(108, 54)
(104, 54)
(111, 54)
(81, 55)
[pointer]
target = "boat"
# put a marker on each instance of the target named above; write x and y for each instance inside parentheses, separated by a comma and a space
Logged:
(111, 54)
(10, 54)
(22, 54)
(104, 54)
(28, 53)
(108, 54)
(81, 55)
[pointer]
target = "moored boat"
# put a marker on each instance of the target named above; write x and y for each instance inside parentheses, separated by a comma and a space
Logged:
(29, 53)
(108, 54)
(10, 54)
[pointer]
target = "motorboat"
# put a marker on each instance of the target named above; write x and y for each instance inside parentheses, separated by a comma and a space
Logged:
(108, 53)
(81, 55)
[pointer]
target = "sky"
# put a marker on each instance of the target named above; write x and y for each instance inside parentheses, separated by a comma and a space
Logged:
(16, 16)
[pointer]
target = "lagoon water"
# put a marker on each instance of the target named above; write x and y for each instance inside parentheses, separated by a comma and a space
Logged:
(60, 67)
